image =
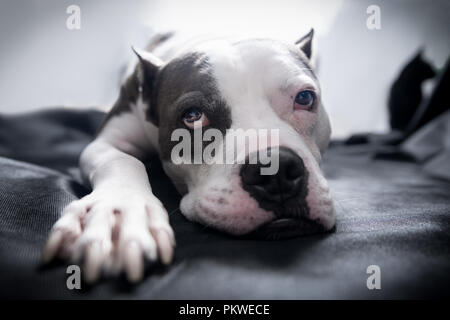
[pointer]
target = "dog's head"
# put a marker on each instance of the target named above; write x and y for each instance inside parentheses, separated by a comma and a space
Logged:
(207, 98)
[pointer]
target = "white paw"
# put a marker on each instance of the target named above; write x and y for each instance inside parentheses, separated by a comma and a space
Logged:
(112, 232)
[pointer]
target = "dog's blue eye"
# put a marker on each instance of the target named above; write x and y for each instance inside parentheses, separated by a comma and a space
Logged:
(305, 98)
(194, 117)
(192, 114)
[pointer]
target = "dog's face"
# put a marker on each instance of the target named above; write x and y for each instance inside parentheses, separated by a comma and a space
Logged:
(247, 85)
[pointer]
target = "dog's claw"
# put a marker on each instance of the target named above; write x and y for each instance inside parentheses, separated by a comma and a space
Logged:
(134, 267)
(52, 246)
(93, 262)
(165, 247)
(64, 233)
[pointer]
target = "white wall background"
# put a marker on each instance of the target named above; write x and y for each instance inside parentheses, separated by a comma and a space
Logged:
(42, 63)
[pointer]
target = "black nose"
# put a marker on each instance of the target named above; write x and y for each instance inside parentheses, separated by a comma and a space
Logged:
(273, 190)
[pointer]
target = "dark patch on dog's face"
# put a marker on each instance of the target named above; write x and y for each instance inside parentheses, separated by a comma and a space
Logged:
(183, 83)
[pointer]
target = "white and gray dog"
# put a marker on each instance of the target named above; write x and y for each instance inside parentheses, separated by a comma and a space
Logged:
(204, 83)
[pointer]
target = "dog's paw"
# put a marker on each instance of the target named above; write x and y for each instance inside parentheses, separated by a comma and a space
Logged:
(112, 232)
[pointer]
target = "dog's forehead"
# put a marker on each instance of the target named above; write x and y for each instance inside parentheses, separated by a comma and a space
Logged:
(256, 58)
(200, 67)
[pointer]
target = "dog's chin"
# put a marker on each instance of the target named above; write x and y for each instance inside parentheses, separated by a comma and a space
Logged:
(286, 228)
(260, 224)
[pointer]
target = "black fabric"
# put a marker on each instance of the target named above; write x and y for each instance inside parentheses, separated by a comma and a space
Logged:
(389, 214)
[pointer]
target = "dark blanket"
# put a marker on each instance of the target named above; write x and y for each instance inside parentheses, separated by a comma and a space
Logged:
(390, 214)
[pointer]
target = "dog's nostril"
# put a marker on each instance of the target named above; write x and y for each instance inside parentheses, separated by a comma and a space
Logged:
(250, 175)
(284, 184)
(294, 171)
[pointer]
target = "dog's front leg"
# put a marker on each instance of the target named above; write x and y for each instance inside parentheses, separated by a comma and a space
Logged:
(119, 224)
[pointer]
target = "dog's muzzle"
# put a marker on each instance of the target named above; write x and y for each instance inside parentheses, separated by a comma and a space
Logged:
(283, 193)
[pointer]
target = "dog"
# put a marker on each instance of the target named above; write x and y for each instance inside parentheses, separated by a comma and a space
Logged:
(219, 83)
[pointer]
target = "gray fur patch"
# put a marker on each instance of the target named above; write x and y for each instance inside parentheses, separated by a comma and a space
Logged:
(186, 82)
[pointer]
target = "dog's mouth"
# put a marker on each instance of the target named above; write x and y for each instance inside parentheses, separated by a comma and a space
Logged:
(285, 228)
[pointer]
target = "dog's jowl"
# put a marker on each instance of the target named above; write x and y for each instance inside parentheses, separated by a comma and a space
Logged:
(221, 86)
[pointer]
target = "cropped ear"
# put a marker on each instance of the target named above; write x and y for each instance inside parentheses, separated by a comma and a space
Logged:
(305, 43)
(149, 65)
(146, 72)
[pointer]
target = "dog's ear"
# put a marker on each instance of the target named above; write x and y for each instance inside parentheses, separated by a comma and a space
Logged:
(305, 43)
(149, 65)
(146, 72)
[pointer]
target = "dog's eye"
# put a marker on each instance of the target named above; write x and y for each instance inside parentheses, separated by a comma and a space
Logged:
(304, 100)
(194, 116)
